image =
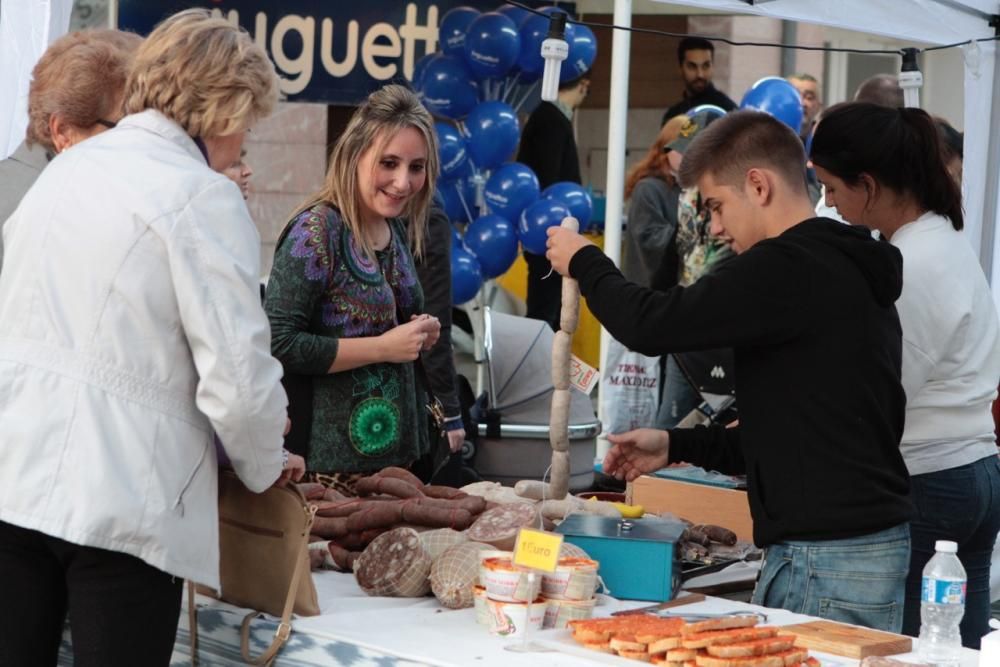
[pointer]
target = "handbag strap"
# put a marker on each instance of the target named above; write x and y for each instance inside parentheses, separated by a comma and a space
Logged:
(284, 630)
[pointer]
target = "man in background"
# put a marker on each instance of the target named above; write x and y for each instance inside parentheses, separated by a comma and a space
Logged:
(695, 56)
(548, 146)
(808, 88)
(882, 89)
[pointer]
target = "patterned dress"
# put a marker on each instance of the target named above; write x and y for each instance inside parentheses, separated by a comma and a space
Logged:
(322, 289)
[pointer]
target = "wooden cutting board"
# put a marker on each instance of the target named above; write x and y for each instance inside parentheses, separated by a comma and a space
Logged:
(849, 641)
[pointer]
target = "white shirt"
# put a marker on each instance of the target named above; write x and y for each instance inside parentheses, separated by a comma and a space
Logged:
(951, 348)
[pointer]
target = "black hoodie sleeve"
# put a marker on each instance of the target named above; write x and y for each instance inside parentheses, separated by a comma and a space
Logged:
(757, 298)
(712, 447)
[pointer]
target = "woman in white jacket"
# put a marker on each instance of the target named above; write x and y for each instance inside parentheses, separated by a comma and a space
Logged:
(131, 331)
(883, 168)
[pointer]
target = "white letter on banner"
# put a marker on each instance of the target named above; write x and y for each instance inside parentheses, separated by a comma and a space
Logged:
(260, 31)
(370, 50)
(344, 67)
(306, 27)
(412, 33)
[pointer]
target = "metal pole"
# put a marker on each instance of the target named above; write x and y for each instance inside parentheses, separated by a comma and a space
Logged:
(992, 184)
(615, 189)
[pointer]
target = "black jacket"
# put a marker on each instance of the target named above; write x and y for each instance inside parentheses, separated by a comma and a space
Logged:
(548, 146)
(711, 95)
(817, 343)
(434, 274)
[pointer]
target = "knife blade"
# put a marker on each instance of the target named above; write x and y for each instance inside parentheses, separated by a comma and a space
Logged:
(676, 602)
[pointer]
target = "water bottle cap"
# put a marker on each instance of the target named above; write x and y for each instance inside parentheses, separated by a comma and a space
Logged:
(946, 546)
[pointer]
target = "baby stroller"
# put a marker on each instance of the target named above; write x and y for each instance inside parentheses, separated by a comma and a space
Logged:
(712, 375)
(513, 414)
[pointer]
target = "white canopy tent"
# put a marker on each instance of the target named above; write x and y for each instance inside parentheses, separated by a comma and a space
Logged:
(926, 21)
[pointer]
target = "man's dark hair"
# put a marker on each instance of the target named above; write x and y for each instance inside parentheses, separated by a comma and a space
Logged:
(740, 141)
(899, 148)
(693, 44)
(881, 89)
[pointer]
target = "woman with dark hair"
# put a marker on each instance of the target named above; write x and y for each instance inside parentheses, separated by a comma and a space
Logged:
(883, 168)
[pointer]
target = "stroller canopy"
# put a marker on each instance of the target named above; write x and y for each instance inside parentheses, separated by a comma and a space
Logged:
(519, 366)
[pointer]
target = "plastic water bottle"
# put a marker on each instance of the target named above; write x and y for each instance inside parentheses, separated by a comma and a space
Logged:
(942, 604)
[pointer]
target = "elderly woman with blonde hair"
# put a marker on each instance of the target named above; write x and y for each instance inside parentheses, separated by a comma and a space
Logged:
(130, 332)
(344, 301)
(76, 92)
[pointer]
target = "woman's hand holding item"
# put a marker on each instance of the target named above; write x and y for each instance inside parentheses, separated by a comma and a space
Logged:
(432, 334)
(294, 469)
(404, 342)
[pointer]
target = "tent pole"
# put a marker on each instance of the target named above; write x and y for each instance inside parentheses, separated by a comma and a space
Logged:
(992, 184)
(615, 188)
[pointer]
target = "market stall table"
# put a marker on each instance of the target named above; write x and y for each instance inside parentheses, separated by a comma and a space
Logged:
(361, 631)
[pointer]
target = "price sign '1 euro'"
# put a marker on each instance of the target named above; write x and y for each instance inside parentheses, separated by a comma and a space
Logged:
(537, 550)
(582, 376)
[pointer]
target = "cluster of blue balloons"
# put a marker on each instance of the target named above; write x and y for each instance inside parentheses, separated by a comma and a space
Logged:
(494, 56)
(490, 243)
(487, 67)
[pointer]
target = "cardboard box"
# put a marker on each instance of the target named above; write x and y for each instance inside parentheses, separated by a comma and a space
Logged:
(699, 503)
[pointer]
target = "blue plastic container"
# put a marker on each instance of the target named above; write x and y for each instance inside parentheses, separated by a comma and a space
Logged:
(638, 557)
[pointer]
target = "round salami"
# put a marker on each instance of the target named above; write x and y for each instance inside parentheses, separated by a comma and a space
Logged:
(395, 564)
(499, 526)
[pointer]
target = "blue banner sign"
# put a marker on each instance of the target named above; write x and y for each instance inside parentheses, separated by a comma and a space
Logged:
(335, 52)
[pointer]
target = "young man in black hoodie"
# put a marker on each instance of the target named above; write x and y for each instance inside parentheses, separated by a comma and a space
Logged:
(808, 307)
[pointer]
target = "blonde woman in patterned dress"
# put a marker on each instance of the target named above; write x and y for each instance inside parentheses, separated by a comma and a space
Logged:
(344, 300)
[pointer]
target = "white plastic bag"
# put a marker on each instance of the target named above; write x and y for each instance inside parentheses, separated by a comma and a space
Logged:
(630, 389)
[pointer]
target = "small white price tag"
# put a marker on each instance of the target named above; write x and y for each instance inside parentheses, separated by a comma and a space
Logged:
(582, 376)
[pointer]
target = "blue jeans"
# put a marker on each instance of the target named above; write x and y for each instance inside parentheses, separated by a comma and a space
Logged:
(679, 397)
(962, 505)
(857, 580)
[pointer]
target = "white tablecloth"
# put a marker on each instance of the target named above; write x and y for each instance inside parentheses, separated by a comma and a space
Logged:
(362, 631)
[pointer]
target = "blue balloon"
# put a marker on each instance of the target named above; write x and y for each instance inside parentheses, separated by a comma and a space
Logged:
(492, 45)
(582, 53)
(510, 189)
(419, 68)
(493, 240)
(493, 134)
(447, 88)
(453, 193)
(710, 108)
(533, 32)
(453, 152)
(466, 276)
(453, 28)
(515, 14)
(777, 97)
(574, 197)
(536, 219)
(456, 237)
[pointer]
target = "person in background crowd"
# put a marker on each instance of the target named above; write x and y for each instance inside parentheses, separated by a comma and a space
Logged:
(652, 192)
(952, 149)
(344, 301)
(881, 89)
(808, 88)
(239, 172)
(826, 481)
(131, 327)
(434, 274)
(883, 168)
(694, 55)
(548, 146)
(76, 92)
(696, 252)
